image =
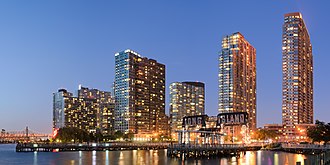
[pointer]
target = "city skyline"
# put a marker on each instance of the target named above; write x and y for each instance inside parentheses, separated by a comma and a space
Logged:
(35, 69)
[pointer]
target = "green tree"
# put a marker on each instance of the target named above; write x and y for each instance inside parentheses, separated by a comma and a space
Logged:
(262, 134)
(129, 136)
(70, 134)
(118, 135)
(320, 132)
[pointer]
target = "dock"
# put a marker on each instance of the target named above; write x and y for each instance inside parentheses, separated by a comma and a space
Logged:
(209, 150)
(62, 147)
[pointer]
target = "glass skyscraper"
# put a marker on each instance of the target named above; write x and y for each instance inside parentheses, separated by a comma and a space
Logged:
(237, 77)
(186, 99)
(139, 94)
(297, 67)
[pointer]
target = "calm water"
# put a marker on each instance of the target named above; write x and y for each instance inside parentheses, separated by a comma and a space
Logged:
(8, 156)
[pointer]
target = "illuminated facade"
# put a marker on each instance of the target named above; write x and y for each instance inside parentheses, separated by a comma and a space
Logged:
(186, 99)
(163, 125)
(92, 110)
(237, 77)
(297, 67)
(61, 100)
(277, 128)
(139, 93)
(104, 109)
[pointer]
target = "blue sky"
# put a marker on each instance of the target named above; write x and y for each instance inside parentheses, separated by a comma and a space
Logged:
(46, 45)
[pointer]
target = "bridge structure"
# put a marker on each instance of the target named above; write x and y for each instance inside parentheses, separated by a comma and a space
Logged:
(22, 135)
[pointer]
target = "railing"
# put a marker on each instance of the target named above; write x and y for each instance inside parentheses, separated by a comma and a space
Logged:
(40, 145)
(305, 146)
(211, 146)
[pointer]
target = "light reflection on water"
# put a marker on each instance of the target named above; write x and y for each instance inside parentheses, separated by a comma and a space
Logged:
(94, 157)
(276, 159)
(106, 157)
(142, 157)
(80, 157)
(35, 158)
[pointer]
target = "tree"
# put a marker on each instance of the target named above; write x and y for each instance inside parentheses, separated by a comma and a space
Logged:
(118, 135)
(129, 136)
(263, 134)
(71, 134)
(320, 132)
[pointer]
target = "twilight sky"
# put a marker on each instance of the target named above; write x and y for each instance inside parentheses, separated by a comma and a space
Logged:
(46, 45)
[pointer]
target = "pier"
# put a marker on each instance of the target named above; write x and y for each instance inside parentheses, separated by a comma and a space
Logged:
(61, 147)
(208, 150)
(321, 152)
(305, 148)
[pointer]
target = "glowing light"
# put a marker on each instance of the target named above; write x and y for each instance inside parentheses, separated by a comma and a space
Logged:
(55, 132)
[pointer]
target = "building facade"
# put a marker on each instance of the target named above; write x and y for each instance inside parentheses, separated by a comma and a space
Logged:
(297, 68)
(91, 110)
(186, 99)
(276, 128)
(104, 109)
(237, 77)
(139, 93)
(61, 101)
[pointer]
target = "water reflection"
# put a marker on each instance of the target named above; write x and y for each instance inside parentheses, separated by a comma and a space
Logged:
(35, 158)
(149, 157)
(300, 158)
(259, 157)
(80, 157)
(121, 158)
(94, 157)
(106, 157)
(276, 159)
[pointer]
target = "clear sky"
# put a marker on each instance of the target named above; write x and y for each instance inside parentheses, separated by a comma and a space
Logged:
(46, 45)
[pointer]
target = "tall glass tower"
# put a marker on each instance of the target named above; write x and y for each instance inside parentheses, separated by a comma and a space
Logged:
(297, 67)
(139, 94)
(186, 99)
(237, 77)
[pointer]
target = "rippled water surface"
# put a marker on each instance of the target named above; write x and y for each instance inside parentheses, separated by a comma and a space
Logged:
(138, 157)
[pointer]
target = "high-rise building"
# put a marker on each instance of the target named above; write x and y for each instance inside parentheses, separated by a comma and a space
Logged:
(186, 99)
(70, 111)
(92, 110)
(105, 110)
(297, 67)
(163, 125)
(139, 93)
(61, 101)
(237, 77)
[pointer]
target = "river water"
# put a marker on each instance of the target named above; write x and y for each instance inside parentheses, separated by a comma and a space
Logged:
(8, 156)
